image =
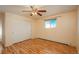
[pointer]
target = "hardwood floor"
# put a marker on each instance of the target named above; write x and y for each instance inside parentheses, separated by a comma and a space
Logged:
(39, 46)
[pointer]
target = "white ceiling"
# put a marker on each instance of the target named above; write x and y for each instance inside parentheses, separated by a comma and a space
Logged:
(51, 9)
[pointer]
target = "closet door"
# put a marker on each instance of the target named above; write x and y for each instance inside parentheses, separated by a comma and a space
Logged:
(21, 30)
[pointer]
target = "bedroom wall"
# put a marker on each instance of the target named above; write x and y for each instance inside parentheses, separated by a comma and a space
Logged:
(17, 28)
(34, 29)
(65, 31)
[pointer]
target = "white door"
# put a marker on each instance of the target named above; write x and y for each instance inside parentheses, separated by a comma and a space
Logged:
(21, 30)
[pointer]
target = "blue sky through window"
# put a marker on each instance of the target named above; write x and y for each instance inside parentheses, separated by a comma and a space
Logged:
(51, 23)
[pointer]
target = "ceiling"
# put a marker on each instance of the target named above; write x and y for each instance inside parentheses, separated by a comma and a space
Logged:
(51, 9)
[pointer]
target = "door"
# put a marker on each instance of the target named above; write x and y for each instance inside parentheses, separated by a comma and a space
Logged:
(21, 30)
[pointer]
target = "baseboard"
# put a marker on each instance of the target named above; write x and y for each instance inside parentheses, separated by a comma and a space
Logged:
(56, 42)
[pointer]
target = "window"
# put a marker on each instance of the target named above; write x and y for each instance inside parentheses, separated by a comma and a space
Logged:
(50, 23)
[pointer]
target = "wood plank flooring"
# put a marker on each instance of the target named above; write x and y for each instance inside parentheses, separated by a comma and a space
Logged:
(39, 46)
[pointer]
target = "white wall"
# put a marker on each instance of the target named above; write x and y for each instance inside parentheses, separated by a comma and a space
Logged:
(17, 28)
(65, 31)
